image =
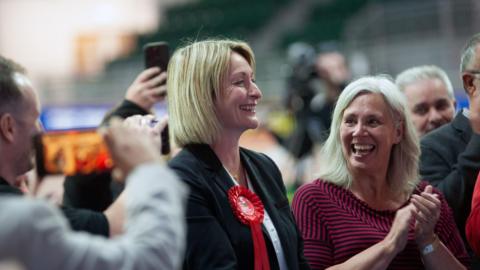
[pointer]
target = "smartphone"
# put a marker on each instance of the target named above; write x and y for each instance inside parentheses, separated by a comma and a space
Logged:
(71, 152)
(157, 54)
(164, 136)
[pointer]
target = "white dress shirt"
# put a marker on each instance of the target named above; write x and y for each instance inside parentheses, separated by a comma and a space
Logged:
(270, 227)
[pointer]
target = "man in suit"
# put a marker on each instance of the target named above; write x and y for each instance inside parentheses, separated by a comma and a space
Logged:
(450, 158)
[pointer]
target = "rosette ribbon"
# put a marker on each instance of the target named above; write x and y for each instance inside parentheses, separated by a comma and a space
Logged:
(248, 208)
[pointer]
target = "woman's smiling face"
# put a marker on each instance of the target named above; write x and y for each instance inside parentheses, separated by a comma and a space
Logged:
(236, 108)
(368, 133)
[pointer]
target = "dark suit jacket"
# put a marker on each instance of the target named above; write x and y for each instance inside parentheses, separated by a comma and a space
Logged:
(6, 188)
(450, 160)
(215, 238)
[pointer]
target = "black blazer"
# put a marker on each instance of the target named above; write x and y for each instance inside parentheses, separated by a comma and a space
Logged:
(450, 160)
(215, 238)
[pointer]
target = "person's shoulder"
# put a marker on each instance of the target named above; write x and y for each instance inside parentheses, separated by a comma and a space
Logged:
(184, 160)
(18, 214)
(318, 188)
(445, 132)
(258, 156)
(22, 210)
(448, 132)
(444, 140)
(23, 204)
(10, 191)
(264, 162)
(191, 168)
(322, 196)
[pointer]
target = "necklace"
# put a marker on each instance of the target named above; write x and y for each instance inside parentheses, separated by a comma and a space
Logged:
(241, 180)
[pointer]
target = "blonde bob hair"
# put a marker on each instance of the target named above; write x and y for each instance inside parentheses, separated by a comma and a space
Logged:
(402, 172)
(195, 76)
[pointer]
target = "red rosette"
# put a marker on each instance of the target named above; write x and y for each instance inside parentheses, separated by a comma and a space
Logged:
(248, 208)
(246, 205)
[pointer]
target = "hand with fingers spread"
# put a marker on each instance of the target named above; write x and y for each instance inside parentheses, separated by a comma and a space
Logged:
(427, 212)
(148, 88)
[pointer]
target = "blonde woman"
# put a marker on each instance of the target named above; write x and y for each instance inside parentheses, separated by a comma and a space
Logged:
(238, 214)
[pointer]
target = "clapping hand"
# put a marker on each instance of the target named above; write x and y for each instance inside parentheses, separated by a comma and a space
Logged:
(398, 234)
(427, 212)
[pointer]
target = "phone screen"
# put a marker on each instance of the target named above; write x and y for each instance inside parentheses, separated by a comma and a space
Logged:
(71, 152)
(156, 55)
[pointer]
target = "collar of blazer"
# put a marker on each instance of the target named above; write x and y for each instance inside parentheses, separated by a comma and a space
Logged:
(205, 154)
(462, 125)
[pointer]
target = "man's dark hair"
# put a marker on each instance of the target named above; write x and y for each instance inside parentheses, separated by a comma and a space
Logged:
(9, 91)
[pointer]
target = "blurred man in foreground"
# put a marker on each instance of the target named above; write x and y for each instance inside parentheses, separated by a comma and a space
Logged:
(37, 236)
(19, 112)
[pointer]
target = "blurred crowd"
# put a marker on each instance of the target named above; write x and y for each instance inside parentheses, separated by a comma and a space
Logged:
(374, 172)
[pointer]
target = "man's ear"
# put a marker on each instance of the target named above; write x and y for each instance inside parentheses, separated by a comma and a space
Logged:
(7, 127)
(468, 84)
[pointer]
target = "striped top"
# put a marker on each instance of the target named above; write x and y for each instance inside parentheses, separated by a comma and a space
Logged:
(336, 225)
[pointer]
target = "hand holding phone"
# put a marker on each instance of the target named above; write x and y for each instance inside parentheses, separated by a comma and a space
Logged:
(129, 147)
(157, 54)
(150, 85)
(158, 129)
